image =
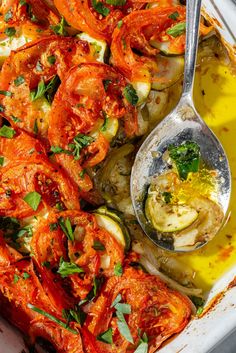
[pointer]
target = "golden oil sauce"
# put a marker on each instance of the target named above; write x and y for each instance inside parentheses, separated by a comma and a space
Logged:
(215, 100)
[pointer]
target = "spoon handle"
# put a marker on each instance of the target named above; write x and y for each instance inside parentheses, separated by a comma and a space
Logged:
(192, 29)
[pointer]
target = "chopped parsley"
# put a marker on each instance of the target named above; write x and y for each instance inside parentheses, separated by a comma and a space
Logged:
(26, 275)
(177, 30)
(68, 268)
(116, 2)
(186, 158)
(33, 199)
(130, 94)
(6, 93)
(19, 80)
(174, 15)
(167, 196)
(79, 142)
(10, 31)
(1, 160)
(100, 8)
(8, 15)
(60, 28)
(51, 59)
(97, 245)
(66, 228)
(7, 132)
(118, 269)
(75, 315)
(106, 337)
(52, 318)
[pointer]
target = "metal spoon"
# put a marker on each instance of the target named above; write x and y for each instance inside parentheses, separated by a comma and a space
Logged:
(182, 124)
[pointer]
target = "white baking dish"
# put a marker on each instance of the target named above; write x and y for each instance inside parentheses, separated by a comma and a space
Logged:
(201, 335)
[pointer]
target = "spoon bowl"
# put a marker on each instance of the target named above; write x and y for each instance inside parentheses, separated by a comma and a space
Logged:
(181, 125)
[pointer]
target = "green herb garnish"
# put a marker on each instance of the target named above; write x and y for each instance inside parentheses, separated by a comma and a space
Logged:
(10, 31)
(118, 269)
(123, 327)
(106, 336)
(15, 279)
(186, 158)
(6, 93)
(48, 90)
(100, 8)
(68, 268)
(33, 199)
(8, 15)
(130, 94)
(26, 275)
(75, 315)
(1, 160)
(79, 142)
(174, 15)
(60, 28)
(167, 196)
(116, 2)
(51, 59)
(51, 317)
(177, 30)
(66, 228)
(19, 80)
(97, 245)
(7, 132)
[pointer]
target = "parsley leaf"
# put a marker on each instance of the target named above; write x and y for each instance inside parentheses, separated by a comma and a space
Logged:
(60, 28)
(118, 270)
(33, 199)
(68, 268)
(117, 300)
(8, 15)
(177, 30)
(143, 345)
(124, 328)
(1, 160)
(26, 275)
(48, 90)
(106, 336)
(7, 132)
(57, 149)
(6, 93)
(15, 279)
(10, 31)
(174, 15)
(97, 245)
(130, 94)
(51, 317)
(51, 59)
(116, 2)
(76, 315)
(100, 8)
(66, 228)
(80, 141)
(123, 308)
(19, 80)
(186, 158)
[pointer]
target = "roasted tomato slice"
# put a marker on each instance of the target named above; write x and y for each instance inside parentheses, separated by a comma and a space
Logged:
(74, 238)
(90, 95)
(31, 76)
(19, 287)
(49, 185)
(61, 339)
(32, 18)
(136, 32)
(22, 145)
(96, 18)
(156, 310)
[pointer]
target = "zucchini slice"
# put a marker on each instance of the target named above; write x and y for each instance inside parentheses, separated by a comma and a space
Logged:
(100, 47)
(165, 48)
(111, 221)
(170, 70)
(108, 128)
(167, 218)
(142, 89)
(9, 44)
